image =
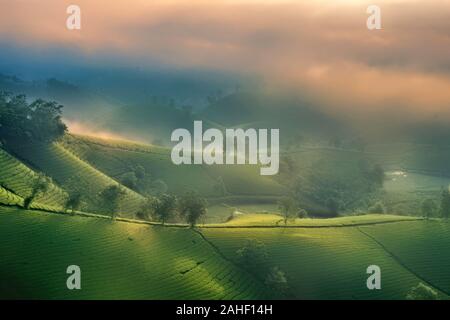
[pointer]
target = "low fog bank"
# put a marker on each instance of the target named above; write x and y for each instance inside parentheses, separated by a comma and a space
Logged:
(147, 107)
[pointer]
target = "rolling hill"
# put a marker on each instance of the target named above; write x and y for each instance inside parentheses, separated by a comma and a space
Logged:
(73, 174)
(117, 158)
(323, 261)
(118, 260)
(16, 180)
(329, 260)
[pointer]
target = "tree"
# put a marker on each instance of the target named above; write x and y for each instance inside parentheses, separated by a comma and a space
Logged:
(139, 171)
(287, 207)
(422, 292)
(377, 175)
(428, 208)
(164, 207)
(277, 281)
(129, 180)
(21, 121)
(445, 203)
(111, 197)
(192, 207)
(146, 209)
(378, 207)
(73, 202)
(333, 205)
(302, 214)
(252, 255)
(40, 186)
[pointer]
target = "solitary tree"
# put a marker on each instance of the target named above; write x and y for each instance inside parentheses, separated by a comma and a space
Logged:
(378, 207)
(192, 207)
(302, 214)
(140, 172)
(428, 208)
(252, 255)
(111, 197)
(40, 186)
(164, 207)
(333, 205)
(377, 175)
(287, 207)
(277, 281)
(146, 209)
(73, 202)
(422, 292)
(445, 203)
(129, 180)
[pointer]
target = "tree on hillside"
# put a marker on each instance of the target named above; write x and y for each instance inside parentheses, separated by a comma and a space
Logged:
(40, 186)
(21, 121)
(422, 292)
(378, 207)
(377, 175)
(129, 180)
(276, 280)
(287, 207)
(445, 203)
(252, 255)
(302, 213)
(332, 205)
(192, 207)
(164, 207)
(146, 210)
(428, 208)
(111, 197)
(73, 202)
(140, 172)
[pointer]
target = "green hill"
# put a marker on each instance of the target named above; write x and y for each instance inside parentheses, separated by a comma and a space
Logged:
(132, 260)
(72, 173)
(117, 158)
(118, 260)
(329, 262)
(16, 180)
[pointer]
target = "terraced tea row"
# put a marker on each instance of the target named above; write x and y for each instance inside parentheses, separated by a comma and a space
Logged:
(118, 260)
(71, 172)
(331, 263)
(423, 247)
(19, 178)
(117, 158)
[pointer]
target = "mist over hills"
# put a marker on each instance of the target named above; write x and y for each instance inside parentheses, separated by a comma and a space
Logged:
(148, 106)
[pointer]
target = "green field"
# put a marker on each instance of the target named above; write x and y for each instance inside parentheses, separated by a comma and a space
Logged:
(116, 158)
(321, 259)
(331, 262)
(118, 260)
(67, 169)
(131, 259)
(18, 179)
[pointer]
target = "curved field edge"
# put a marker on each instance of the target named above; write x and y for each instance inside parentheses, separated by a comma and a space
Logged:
(66, 168)
(331, 263)
(262, 220)
(118, 260)
(423, 247)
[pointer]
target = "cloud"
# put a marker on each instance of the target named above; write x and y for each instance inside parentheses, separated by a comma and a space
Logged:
(322, 48)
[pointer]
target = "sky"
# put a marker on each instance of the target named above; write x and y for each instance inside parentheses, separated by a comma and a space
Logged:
(320, 49)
